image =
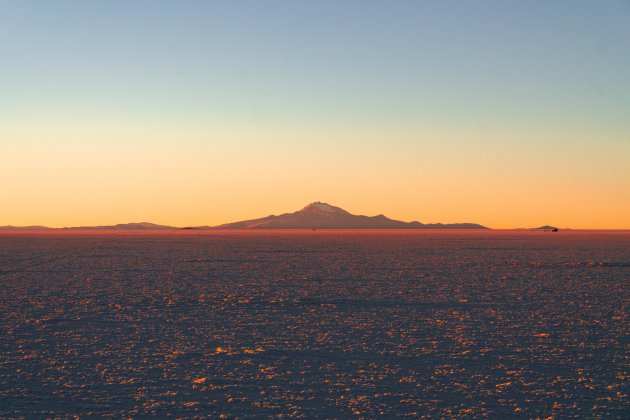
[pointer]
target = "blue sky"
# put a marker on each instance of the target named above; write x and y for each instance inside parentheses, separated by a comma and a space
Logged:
(320, 60)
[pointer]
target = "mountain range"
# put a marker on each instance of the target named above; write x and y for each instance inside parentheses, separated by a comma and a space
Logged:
(320, 215)
(316, 215)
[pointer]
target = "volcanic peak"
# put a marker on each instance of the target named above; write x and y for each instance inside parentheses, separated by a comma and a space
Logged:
(324, 208)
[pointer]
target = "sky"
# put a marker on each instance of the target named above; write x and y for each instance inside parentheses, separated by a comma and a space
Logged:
(504, 113)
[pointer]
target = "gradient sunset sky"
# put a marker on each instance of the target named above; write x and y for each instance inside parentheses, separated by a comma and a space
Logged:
(504, 113)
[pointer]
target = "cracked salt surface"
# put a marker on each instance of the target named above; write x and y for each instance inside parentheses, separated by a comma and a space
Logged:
(315, 324)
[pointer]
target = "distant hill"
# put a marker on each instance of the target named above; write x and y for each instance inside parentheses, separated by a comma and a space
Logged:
(9, 227)
(127, 226)
(546, 227)
(324, 216)
(120, 226)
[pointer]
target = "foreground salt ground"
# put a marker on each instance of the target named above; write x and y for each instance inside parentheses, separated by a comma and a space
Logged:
(315, 324)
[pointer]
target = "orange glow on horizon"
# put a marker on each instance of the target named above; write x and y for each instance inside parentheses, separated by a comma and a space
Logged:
(101, 182)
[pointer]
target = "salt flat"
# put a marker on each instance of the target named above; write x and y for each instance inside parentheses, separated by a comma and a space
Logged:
(315, 324)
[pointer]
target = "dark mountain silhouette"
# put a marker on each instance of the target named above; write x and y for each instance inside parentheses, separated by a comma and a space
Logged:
(314, 216)
(546, 227)
(324, 216)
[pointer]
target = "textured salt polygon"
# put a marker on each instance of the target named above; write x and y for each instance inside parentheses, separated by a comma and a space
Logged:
(315, 324)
